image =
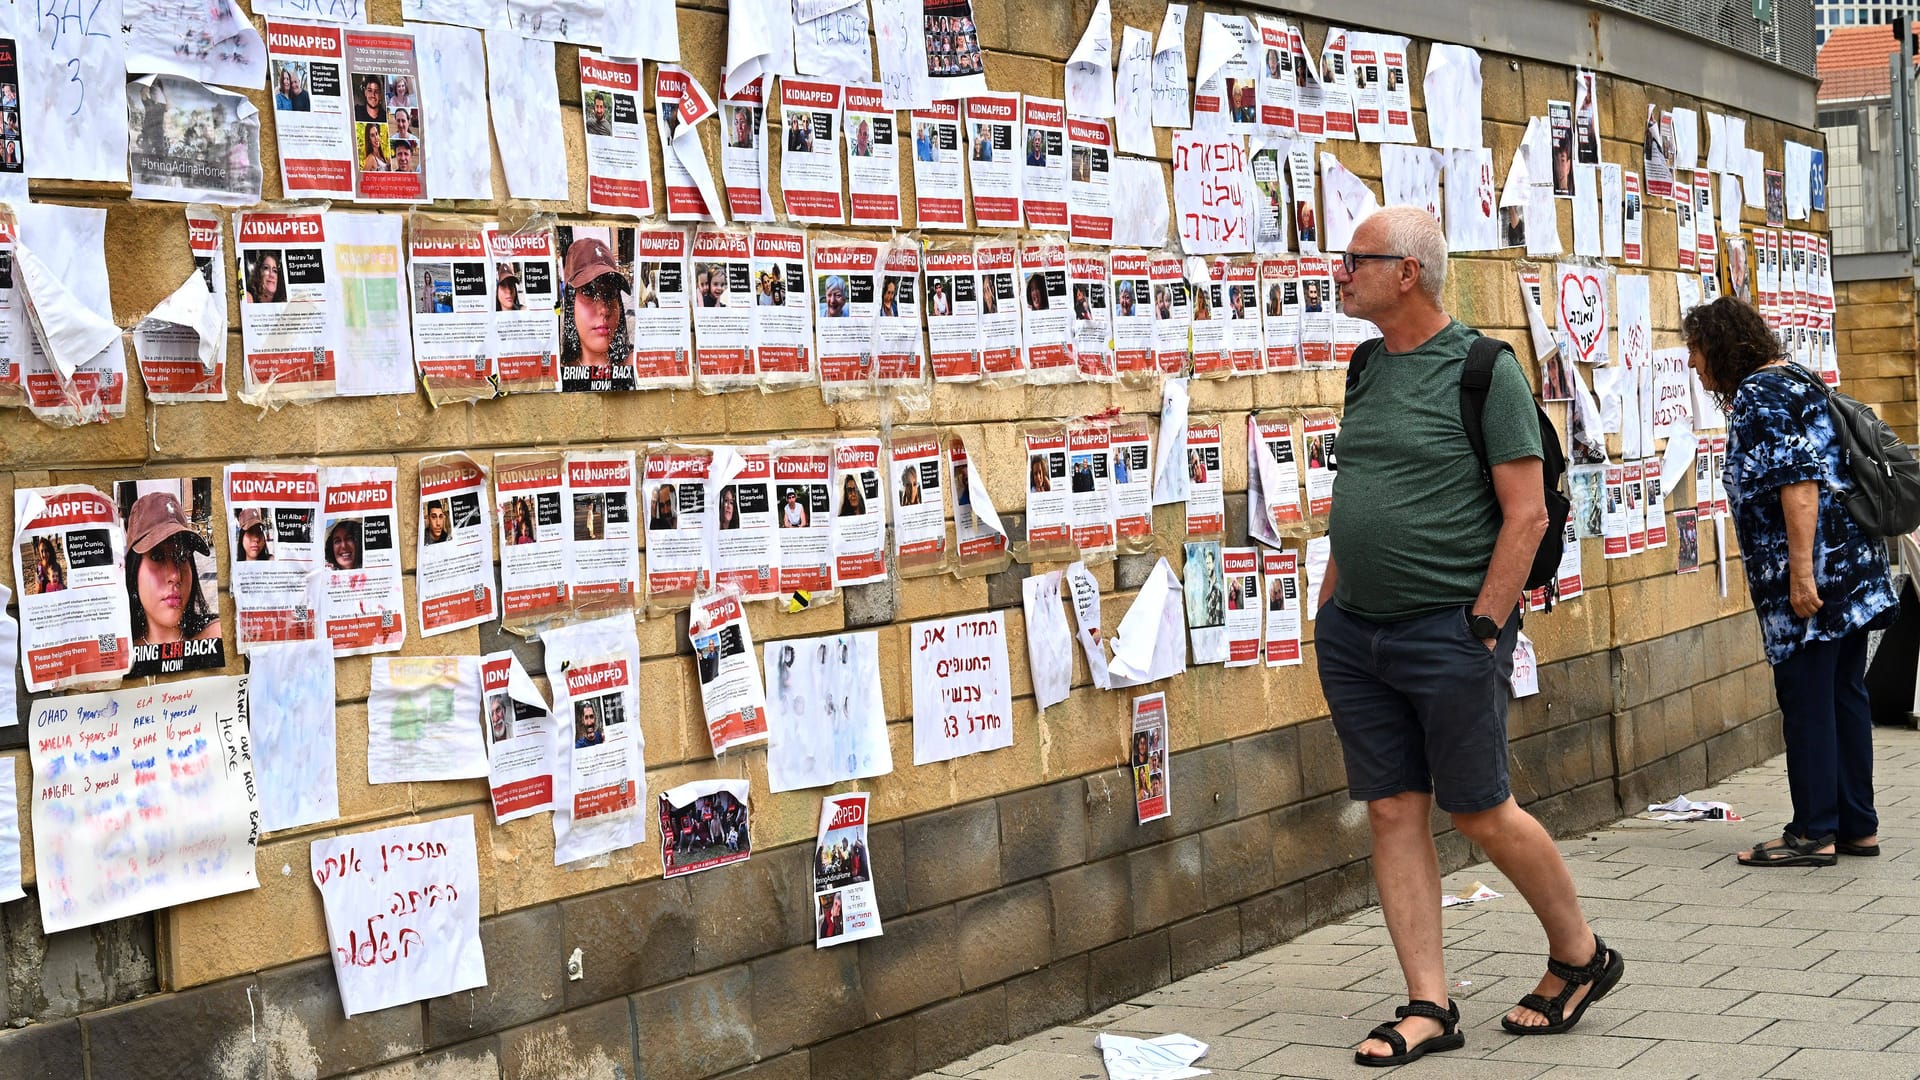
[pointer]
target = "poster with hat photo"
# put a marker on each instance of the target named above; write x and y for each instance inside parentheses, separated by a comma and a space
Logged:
(596, 307)
(173, 579)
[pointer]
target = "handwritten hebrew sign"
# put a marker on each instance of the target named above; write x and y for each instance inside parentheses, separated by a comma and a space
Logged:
(1583, 310)
(1212, 193)
(73, 89)
(143, 798)
(962, 702)
(403, 912)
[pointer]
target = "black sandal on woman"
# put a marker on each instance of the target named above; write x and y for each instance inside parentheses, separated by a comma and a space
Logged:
(1448, 1039)
(1792, 851)
(1603, 971)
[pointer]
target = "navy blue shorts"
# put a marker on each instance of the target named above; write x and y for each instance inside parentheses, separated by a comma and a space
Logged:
(1420, 705)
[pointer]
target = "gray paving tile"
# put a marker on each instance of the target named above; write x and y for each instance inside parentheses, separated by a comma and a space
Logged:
(1706, 913)
(1871, 963)
(1686, 1061)
(1777, 980)
(1319, 976)
(1233, 1052)
(1895, 1014)
(1694, 1027)
(1747, 956)
(1867, 922)
(1185, 1019)
(1573, 1048)
(1639, 971)
(1643, 996)
(1314, 1002)
(1852, 1064)
(1801, 1033)
(1884, 988)
(1039, 1065)
(1803, 1007)
(1219, 995)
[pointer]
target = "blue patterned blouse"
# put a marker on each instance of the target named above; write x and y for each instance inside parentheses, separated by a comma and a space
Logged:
(1778, 433)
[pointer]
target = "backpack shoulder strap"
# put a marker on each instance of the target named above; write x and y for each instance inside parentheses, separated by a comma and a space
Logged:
(1362, 353)
(1476, 378)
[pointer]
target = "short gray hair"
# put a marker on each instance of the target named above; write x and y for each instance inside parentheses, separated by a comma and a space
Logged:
(1413, 232)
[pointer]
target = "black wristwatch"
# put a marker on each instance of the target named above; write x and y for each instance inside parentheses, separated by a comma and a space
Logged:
(1483, 627)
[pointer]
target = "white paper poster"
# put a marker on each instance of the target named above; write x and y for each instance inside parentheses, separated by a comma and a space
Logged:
(403, 912)
(75, 363)
(1241, 567)
(845, 907)
(1151, 641)
(939, 167)
(1282, 642)
(182, 342)
(73, 103)
(873, 156)
(833, 44)
(731, 694)
(605, 527)
(453, 66)
(520, 74)
(859, 513)
(1090, 200)
(1213, 195)
(1043, 175)
(995, 161)
(1171, 107)
(1453, 97)
(962, 703)
(810, 163)
(1084, 590)
(69, 556)
(360, 557)
(1049, 642)
(10, 889)
(211, 43)
(291, 703)
(619, 163)
(704, 824)
(600, 785)
(1133, 93)
(169, 777)
(681, 104)
(826, 721)
(420, 713)
(1147, 758)
(1090, 69)
(310, 109)
(743, 152)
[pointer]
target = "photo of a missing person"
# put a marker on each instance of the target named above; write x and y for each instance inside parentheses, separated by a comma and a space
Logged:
(663, 512)
(518, 524)
(253, 537)
(265, 278)
(795, 504)
(853, 500)
(596, 346)
(1149, 763)
(1206, 585)
(1037, 291)
(433, 288)
(173, 580)
(290, 92)
(743, 124)
(589, 517)
(834, 294)
(599, 110)
(344, 548)
(592, 717)
(499, 716)
(189, 138)
(910, 486)
(1081, 164)
(43, 565)
(436, 522)
(953, 45)
(506, 287)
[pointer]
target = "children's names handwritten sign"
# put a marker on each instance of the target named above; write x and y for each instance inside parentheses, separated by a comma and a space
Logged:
(403, 912)
(143, 798)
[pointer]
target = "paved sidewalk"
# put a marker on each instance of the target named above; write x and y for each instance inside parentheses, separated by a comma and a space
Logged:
(1731, 972)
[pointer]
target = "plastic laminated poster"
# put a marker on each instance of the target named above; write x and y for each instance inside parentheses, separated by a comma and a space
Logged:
(731, 694)
(600, 785)
(69, 556)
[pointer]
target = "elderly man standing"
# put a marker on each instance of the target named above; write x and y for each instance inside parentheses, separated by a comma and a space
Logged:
(1429, 559)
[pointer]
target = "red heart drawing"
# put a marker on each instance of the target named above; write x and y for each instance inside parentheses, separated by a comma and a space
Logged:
(1583, 311)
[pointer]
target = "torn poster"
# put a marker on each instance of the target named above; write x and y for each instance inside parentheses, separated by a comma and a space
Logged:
(520, 74)
(826, 721)
(1348, 201)
(1171, 107)
(1278, 90)
(980, 540)
(350, 12)
(1452, 86)
(1147, 759)
(173, 581)
(845, 907)
(731, 694)
(1273, 478)
(454, 557)
(9, 659)
(1543, 214)
(1586, 211)
(74, 364)
(403, 912)
(1133, 93)
(1151, 641)
(995, 161)
(389, 125)
(1586, 118)
(195, 143)
(962, 703)
(1525, 681)
(600, 783)
(69, 556)
(681, 105)
(1168, 1057)
(759, 42)
(1139, 206)
(1089, 72)
(1226, 94)
(520, 739)
(704, 824)
(73, 98)
(1087, 271)
(1049, 642)
(1410, 176)
(291, 715)
(1213, 194)
(101, 793)
(1282, 578)
(745, 551)
(420, 720)
(182, 343)
(211, 42)
(1085, 593)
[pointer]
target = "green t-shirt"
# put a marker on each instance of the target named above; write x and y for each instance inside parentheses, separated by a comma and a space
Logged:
(1414, 520)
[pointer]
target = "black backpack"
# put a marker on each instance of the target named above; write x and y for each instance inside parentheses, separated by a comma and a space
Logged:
(1885, 498)
(1475, 378)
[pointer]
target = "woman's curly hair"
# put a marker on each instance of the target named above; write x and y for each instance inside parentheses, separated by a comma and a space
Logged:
(1734, 341)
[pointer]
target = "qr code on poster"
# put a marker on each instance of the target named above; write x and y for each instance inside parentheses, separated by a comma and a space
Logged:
(109, 644)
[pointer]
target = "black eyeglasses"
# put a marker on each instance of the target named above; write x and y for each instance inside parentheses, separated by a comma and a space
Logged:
(1349, 260)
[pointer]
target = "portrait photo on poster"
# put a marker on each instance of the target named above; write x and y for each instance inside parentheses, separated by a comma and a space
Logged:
(173, 580)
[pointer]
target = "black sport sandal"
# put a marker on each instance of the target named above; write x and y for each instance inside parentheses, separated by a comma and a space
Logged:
(1448, 1039)
(1603, 971)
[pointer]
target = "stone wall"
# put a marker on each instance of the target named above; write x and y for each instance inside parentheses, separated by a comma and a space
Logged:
(1873, 328)
(1016, 889)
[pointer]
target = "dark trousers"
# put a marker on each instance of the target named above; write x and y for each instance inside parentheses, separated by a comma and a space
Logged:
(1828, 728)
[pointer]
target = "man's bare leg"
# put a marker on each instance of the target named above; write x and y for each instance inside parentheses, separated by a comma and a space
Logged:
(1521, 848)
(1407, 872)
